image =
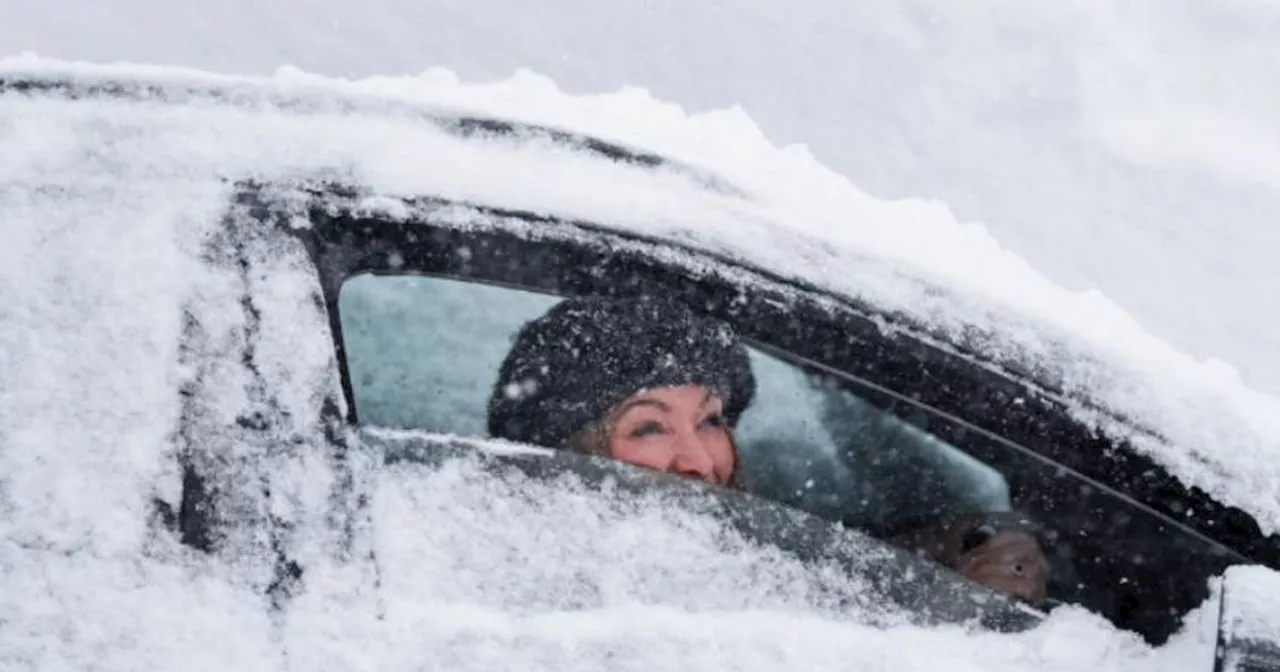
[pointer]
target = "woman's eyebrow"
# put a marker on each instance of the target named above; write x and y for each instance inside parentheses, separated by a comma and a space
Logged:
(643, 402)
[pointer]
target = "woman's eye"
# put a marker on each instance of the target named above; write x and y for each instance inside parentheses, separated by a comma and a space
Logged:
(716, 420)
(646, 429)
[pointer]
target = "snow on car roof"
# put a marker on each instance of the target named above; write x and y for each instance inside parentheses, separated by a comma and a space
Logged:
(797, 219)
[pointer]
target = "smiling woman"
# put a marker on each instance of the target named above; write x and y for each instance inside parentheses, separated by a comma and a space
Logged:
(644, 381)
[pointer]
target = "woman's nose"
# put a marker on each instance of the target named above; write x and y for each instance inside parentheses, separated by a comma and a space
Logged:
(692, 458)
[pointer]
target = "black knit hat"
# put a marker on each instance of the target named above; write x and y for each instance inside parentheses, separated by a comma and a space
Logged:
(583, 357)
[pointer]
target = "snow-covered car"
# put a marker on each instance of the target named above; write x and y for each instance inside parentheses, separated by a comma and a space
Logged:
(340, 321)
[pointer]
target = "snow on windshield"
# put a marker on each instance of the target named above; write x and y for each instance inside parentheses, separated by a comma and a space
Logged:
(104, 207)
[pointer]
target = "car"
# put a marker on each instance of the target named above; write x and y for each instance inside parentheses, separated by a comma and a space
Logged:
(342, 330)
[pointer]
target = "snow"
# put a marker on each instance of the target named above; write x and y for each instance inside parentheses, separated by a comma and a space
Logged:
(103, 208)
(1126, 147)
(621, 586)
(1252, 610)
(850, 242)
(490, 446)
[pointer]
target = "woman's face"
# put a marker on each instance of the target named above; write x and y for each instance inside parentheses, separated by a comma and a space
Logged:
(679, 430)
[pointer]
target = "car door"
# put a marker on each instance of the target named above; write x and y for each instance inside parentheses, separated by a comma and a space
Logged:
(864, 421)
(419, 351)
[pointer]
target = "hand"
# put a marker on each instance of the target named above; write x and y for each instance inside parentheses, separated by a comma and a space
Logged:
(1009, 561)
(1000, 550)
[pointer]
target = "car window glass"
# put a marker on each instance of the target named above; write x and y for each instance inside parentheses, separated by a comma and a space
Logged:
(423, 353)
(814, 445)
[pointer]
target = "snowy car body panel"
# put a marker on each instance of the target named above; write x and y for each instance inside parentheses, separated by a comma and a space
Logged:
(346, 230)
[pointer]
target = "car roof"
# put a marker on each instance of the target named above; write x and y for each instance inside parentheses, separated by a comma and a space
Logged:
(247, 92)
(1182, 420)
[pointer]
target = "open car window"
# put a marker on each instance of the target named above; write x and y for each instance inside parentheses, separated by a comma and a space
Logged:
(422, 353)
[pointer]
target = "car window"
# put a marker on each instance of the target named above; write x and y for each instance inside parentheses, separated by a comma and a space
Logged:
(812, 444)
(422, 353)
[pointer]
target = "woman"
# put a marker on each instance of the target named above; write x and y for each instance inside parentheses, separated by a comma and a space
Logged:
(644, 381)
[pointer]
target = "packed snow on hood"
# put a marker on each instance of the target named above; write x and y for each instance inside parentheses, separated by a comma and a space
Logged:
(104, 206)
